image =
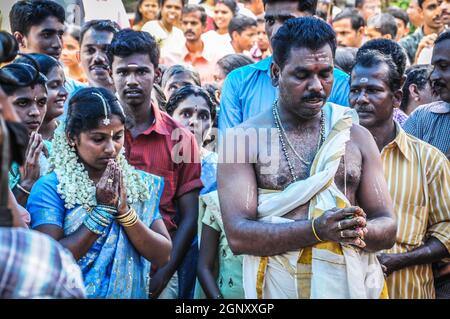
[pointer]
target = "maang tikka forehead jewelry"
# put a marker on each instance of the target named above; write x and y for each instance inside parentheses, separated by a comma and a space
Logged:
(106, 120)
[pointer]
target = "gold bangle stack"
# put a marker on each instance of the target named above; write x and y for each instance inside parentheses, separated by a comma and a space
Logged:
(128, 219)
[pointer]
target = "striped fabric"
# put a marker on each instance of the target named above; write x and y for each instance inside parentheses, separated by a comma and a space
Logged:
(418, 178)
(431, 123)
(32, 265)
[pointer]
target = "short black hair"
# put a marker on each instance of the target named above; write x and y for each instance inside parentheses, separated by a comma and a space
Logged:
(23, 73)
(308, 32)
(345, 58)
(370, 58)
(99, 25)
(86, 109)
(184, 92)
(44, 62)
(387, 47)
(233, 61)
(359, 3)
(194, 8)
(29, 13)
(398, 14)
(356, 19)
(240, 23)
(309, 6)
(419, 75)
(177, 69)
(443, 36)
(127, 42)
(420, 2)
(384, 23)
(161, 2)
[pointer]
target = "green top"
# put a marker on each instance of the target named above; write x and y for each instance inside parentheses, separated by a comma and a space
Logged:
(229, 279)
(411, 42)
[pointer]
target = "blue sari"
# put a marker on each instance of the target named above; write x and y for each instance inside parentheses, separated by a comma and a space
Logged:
(112, 268)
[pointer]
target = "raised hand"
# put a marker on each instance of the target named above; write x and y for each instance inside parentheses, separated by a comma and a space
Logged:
(108, 185)
(31, 169)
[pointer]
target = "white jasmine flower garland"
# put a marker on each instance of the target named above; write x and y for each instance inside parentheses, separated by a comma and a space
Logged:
(76, 188)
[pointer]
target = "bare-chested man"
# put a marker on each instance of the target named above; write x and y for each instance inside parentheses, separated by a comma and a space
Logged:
(303, 212)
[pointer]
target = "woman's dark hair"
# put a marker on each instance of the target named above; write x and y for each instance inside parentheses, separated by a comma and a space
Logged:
(45, 62)
(231, 4)
(21, 73)
(233, 61)
(87, 110)
(184, 92)
(74, 31)
(419, 75)
(137, 15)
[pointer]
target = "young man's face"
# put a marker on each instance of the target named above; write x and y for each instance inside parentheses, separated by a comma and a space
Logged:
(431, 11)
(277, 13)
(440, 77)
(415, 14)
(45, 38)
(305, 81)
(246, 39)
(94, 60)
(373, 33)
(346, 36)
(192, 26)
(371, 96)
(133, 78)
(402, 29)
(445, 12)
(370, 8)
(262, 39)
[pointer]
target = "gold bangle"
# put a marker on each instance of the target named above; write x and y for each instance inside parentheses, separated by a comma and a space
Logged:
(23, 189)
(119, 218)
(314, 231)
(129, 218)
(132, 222)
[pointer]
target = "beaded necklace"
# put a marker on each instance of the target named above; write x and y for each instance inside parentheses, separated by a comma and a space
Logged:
(283, 139)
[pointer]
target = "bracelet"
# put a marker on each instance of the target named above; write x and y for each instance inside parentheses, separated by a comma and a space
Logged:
(110, 209)
(97, 220)
(129, 219)
(22, 189)
(314, 231)
(103, 215)
(93, 226)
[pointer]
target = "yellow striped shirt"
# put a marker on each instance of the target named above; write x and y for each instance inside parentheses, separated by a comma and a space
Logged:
(418, 177)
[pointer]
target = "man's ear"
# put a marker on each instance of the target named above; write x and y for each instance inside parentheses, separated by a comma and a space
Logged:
(414, 92)
(397, 99)
(387, 36)
(158, 75)
(275, 74)
(20, 39)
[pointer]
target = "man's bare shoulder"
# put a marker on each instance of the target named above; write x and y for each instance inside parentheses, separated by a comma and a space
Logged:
(262, 120)
(362, 139)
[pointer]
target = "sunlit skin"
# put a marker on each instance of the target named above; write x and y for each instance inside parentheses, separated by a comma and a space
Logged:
(305, 82)
(370, 8)
(94, 59)
(245, 40)
(192, 26)
(46, 38)
(402, 29)
(193, 112)
(96, 147)
(262, 38)
(149, 10)
(371, 96)
(346, 36)
(415, 14)
(431, 12)
(57, 95)
(222, 18)
(373, 33)
(445, 12)
(171, 14)
(30, 104)
(177, 81)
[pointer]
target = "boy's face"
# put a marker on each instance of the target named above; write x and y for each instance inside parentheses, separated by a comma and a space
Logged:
(45, 38)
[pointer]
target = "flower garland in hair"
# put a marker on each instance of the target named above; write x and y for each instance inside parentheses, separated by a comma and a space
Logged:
(76, 188)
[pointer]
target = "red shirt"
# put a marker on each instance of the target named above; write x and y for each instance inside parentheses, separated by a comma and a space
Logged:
(154, 151)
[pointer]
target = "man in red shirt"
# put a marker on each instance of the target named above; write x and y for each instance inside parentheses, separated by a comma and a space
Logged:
(157, 144)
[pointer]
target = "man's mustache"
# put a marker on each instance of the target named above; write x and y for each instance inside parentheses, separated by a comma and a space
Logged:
(312, 96)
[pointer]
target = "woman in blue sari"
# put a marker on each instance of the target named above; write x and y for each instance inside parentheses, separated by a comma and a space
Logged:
(96, 205)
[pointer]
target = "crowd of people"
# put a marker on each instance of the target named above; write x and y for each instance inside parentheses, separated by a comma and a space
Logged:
(229, 149)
